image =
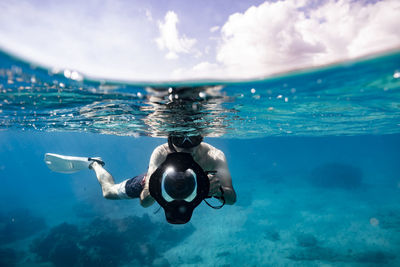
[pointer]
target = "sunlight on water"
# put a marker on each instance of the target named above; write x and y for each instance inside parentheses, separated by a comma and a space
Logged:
(349, 99)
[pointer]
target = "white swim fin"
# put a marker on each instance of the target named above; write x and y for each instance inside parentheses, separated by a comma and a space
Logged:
(67, 164)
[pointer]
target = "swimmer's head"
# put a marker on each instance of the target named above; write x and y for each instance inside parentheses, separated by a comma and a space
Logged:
(186, 141)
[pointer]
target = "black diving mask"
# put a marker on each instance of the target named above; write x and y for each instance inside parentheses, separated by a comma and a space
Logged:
(186, 141)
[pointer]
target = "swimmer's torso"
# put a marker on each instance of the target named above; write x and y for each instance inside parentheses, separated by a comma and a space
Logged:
(205, 155)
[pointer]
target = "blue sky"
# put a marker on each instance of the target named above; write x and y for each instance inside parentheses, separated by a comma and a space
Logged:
(181, 40)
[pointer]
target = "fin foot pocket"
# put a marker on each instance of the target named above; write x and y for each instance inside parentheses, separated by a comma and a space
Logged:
(96, 159)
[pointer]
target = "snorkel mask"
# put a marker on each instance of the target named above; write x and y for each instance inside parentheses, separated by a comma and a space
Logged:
(185, 141)
(179, 185)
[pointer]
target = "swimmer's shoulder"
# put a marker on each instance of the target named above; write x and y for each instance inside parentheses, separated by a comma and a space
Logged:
(212, 151)
(162, 150)
(206, 147)
(159, 155)
(158, 152)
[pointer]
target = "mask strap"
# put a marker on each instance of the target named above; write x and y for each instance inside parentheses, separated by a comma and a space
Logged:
(170, 145)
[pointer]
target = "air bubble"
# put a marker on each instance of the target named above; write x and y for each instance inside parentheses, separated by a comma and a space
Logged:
(67, 74)
(76, 76)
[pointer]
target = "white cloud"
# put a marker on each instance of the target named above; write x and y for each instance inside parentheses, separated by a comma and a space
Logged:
(111, 40)
(214, 29)
(117, 39)
(170, 38)
(280, 36)
(199, 71)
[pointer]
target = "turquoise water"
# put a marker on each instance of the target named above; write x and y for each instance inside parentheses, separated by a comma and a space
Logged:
(352, 98)
(313, 155)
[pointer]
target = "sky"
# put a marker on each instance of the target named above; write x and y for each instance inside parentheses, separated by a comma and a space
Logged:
(175, 40)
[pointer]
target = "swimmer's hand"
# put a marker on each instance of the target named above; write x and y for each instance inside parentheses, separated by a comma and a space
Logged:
(214, 185)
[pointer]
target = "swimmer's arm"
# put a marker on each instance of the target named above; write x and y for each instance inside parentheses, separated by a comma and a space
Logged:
(156, 159)
(224, 176)
(146, 200)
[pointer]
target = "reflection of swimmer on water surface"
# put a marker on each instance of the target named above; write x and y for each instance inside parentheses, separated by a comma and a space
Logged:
(180, 185)
(198, 108)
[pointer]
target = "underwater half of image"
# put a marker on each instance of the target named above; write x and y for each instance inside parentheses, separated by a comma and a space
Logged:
(313, 156)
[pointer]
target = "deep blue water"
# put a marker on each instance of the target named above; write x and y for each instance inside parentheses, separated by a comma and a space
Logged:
(282, 217)
(317, 176)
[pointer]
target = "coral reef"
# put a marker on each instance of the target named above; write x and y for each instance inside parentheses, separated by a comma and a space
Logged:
(336, 175)
(19, 224)
(8, 257)
(59, 246)
(374, 256)
(314, 253)
(161, 262)
(195, 260)
(306, 240)
(109, 242)
(272, 235)
(389, 220)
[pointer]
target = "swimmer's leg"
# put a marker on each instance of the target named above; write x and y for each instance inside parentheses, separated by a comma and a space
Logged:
(108, 186)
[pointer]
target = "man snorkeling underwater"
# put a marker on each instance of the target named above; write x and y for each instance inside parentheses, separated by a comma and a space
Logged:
(178, 192)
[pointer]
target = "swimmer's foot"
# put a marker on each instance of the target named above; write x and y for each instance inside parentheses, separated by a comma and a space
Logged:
(96, 159)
